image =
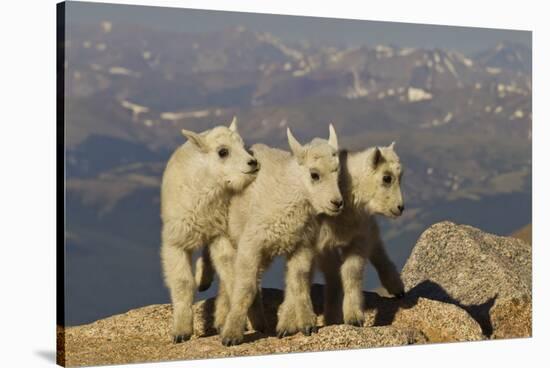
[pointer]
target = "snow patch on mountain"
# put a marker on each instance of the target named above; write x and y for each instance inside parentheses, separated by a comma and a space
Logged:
(418, 94)
(357, 90)
(274, 41)
(119, 70)
(134, 108)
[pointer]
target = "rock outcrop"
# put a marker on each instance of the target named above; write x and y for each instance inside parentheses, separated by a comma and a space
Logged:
(462, 285)
(486, 275)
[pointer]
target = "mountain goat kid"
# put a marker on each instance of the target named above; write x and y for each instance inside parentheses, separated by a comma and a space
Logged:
(199, 180)
(277, 215)
(370, 184)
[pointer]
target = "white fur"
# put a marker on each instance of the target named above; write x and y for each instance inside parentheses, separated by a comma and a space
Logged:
(346, 241)
(276, 215)
(197, 186)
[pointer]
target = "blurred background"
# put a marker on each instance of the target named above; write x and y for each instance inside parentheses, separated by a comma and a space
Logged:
(457, 101)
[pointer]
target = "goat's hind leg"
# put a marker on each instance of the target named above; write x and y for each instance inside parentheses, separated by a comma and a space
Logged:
(204, 270)
(256, 314)
(351, 272)
(387, 272)
(330, 262)
(389, 277)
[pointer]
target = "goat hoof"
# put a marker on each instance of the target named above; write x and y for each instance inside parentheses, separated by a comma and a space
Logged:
(180, 338)
(283, 333)
(356, 323)
(309, 330)
(230, 342)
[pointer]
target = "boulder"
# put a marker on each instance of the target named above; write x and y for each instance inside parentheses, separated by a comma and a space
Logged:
(486, 275)
(436, 321)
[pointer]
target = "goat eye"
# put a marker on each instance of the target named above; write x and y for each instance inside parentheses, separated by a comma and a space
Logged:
(387, 179)
(315, 176)
(223, 152)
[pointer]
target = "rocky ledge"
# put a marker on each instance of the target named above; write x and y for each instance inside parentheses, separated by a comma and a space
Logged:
(462, 285)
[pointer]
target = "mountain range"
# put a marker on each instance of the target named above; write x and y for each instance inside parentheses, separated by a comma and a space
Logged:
(462, 124)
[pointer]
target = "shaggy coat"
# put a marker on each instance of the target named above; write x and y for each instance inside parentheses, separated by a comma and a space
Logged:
(199, 180)
(370, 185)
(277, 215)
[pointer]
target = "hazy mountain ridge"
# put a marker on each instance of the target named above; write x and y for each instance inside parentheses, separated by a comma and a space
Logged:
(157, 78)
(149, 83)
(462, 125)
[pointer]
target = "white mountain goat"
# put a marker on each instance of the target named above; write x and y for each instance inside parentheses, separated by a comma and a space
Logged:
(370, 184)
(199, 180)
(277, 215)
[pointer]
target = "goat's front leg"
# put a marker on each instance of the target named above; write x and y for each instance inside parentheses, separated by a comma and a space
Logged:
(246, 270)
(351, 273)
(296, 312)
(222, 254)
(178, 275)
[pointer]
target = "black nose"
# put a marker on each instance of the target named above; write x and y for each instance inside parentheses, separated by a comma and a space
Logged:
(401, 208)
(337, 203)
(253, 162)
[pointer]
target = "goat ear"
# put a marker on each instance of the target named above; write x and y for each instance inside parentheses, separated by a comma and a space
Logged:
(332, 137)
(392, 146)
(295, 146)
(233, 125)
(196, 139)
(376, 158)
